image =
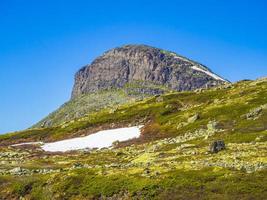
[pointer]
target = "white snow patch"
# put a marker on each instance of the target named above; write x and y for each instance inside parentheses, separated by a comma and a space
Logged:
(99, 139)
(208, 73)
(197, 68)
(27, 143)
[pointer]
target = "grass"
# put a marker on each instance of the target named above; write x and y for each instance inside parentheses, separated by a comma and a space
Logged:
(168, 113)
(208, 183)
(172, 173)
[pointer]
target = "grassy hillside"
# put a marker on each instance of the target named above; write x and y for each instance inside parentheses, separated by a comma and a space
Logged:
(171, 160)
(92, 102)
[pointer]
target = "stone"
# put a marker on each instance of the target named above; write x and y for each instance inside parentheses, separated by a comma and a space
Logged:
(254, 113)
(115, 143)
(46, 123)
(77, 165)
(119, 153)
(193, 118)
(159, 99)
(15, 170)
(217, 146)
(212, 125)
(216, 101)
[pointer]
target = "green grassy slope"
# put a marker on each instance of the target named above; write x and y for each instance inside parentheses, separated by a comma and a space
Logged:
(171, 160)
(92, 102)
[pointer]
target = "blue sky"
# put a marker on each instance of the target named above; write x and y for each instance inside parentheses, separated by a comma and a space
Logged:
(43, 43)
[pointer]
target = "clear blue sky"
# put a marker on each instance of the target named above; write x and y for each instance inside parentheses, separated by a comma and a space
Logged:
(44, 42)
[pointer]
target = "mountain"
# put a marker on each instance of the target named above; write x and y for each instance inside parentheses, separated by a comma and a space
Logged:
(130, 73)
(140, 63)
(202, 144)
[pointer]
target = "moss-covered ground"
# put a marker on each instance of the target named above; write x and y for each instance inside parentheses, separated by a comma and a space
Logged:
(171, 160)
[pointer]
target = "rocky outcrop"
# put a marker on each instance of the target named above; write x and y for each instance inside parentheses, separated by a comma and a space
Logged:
(217, 146)
(143, 65)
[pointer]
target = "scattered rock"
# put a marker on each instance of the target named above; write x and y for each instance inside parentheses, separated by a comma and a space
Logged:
(253, 114)
(15, 170)
(217, 146)
(212, 125)
(115, 143)
(159, 99)
(184, 146)
(193, 118)
(46, 123)
(216, 101)
(119, 153)
(259, 138)
(77, 165)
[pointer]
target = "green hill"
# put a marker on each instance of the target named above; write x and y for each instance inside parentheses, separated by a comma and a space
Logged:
(172, 159)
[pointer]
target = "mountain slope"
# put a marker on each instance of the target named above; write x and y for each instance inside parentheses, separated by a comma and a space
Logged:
(130, 73)
(172, 159)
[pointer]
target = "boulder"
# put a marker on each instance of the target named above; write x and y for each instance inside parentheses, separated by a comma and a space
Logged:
(217, 146)
(212, 125)
(193, 118)
(254, 114)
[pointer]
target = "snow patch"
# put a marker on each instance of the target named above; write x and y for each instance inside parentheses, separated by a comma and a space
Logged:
(208, 73)
(99, 139)
(198, 68)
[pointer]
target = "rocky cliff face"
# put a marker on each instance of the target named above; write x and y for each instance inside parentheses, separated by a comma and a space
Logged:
(132, 63)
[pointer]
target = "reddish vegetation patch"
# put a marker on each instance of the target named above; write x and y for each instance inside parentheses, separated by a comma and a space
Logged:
(150, 132)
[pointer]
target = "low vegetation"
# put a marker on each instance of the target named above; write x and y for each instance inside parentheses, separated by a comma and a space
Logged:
(171, 160)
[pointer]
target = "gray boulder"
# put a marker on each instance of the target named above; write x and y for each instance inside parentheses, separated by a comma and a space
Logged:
(217, 146)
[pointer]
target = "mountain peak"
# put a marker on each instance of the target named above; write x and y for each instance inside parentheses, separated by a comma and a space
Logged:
(130, 63)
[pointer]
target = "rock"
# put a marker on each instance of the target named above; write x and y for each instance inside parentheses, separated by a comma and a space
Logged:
(15, 170)
(143, 64)
(186, 145)
(19, 171)
(153, 148)
(193, 118)
(212, 125)
(216, 101)
(255, 113)
(264, 106)
(46, 123)
(157, 173)
(180, 125)
(159, 99)
(115, 143)
(147, 171)
(211, 129)
(119, 153)
(77, 165)
(217, 146)
(259, 138)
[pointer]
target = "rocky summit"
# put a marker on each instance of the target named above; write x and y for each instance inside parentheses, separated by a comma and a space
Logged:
(143, 64)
